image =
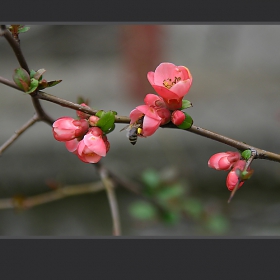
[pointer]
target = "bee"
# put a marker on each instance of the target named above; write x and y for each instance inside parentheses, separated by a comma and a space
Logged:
(134, 130)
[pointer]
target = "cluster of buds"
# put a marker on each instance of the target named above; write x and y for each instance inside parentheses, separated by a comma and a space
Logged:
(171, 83)
(86, 136)
(234, 162)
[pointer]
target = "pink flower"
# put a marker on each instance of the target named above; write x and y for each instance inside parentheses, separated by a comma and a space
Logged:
(232, 177)
(72, 145)
(151, 121)
(223, 161)
(92, 147)
(171, 82)
(159, 105)
(66, 128)
(178, 117)
(93, 120)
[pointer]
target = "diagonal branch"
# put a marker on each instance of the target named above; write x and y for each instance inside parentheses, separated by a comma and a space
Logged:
(15, 136)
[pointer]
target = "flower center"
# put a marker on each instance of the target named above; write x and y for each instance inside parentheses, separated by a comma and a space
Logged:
(168, 83)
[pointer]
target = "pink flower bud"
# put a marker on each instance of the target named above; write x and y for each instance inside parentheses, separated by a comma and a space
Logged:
(232, 179)
(83, 115)
(66, 129)
(93, 120)
(178, 117)
(223, 161)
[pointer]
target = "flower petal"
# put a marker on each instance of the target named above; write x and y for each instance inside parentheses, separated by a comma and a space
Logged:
(150, 125)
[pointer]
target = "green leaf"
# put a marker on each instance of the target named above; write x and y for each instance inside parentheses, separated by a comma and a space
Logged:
(170, 192)
(23, 29)
(245, 175)
(171, 217)
(53, 83)
(32, 73)
(246, 154)
(151, 179)
(22, 79)
(112, 128)
(187, 123)
(193, 207)
(106, 121)
(33, 86)
(81, 100)
(38, 74)
(142, 211)
(100, 113)
(186, 104)
(218, 224)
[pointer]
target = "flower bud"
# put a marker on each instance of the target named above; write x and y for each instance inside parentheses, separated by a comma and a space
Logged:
(223, 161)
(232, 179)
(66, 129)
(93, 120)
(83, 115)
(178, 117)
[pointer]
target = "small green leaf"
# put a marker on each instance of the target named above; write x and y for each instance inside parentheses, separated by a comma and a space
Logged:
(32, 73)
(170, 192)
(186, 104)
(53, 83)
(151, 179)
(218, 224)
(23, 29)
(187, 123)
(33, 86)
(142, 211)
(81, 100)
(22, 79)
(106, 121)
(171, 217)
(100, 113)
(193, 207)
(110, 129)
(246, 154)
(38, 74)
(245, 175)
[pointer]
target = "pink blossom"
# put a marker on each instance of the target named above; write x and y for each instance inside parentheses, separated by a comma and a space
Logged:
(178, 117)
(159, 105)
(93, 120)
(171, 82)
(232, 177)
(72, 145)
(92, 147)
(151, 121)
(223, 161)
(66, 128)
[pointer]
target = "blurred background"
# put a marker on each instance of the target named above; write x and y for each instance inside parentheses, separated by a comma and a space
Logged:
(235, 92)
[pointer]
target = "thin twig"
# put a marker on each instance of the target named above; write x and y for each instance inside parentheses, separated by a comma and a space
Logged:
(9, 83)
(60, 193)
(109, 186)
(15, 46)
(17, 133)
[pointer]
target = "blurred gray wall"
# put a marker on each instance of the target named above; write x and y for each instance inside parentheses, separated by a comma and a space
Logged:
(235, 92)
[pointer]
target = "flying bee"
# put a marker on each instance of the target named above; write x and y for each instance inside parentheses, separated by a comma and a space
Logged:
(134, 130)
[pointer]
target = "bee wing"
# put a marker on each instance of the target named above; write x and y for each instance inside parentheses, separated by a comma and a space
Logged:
(127, 126)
